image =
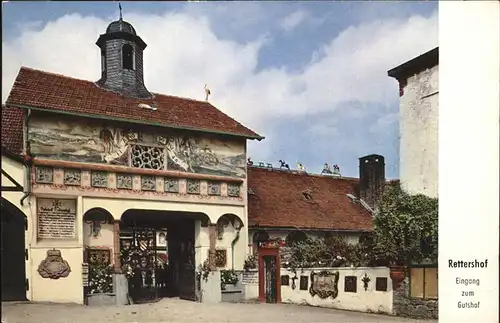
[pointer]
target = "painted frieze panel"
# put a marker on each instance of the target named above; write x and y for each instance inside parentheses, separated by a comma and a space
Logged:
(148, 183)
(193, 187)
(124, 181)
(72, 177)
(99, 179)
(44, 175)
(233, 190)
(171, 185)
(73, 140)
(214, 188)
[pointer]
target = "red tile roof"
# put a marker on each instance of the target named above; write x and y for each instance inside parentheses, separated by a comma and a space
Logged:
(12, 129)
(54, 92)
(276, 199)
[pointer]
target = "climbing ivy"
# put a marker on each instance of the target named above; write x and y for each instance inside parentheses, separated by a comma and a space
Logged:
(328, 251)
(405, 227)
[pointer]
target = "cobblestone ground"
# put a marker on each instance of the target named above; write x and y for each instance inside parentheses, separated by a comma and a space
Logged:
(175, 310)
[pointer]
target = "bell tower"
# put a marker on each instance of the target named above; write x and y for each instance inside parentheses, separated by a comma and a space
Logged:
(122, 69)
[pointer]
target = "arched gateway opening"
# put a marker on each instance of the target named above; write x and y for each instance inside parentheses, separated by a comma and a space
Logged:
(158, 253)
(13, 228)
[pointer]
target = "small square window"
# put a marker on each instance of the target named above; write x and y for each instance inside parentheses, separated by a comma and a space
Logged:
(381, 284)
(304, 282)
(351, 284)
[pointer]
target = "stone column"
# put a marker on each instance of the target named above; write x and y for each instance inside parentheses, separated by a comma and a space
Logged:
(212, 233)
(116, 247)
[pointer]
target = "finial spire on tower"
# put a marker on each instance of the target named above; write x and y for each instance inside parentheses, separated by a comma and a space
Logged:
(120, 7)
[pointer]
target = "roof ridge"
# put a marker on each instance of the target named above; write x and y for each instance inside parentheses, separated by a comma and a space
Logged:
(93, 82)
(300, 173)
(53, 73)
(184, 98)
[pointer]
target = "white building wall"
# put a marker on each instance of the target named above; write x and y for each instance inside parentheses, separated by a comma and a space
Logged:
(419, 134)
(369, 300)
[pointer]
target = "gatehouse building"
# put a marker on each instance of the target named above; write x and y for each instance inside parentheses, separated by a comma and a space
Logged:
(105, 179)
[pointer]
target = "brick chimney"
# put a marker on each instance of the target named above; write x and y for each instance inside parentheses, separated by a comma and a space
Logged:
(371, 179)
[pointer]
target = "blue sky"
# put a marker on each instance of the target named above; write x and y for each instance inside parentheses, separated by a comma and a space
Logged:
(310, 76)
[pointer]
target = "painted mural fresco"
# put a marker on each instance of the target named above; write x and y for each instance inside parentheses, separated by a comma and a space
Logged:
(92, 143)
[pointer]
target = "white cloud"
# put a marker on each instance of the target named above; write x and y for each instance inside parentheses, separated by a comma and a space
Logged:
(183, 54)
(293, 20)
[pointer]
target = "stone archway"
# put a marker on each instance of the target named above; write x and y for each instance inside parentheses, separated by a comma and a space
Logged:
(228, 228)
(295, 237)
(13, 229)
(96, 219)
(100, 251)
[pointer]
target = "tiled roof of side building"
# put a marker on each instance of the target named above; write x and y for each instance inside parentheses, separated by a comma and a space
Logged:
(277, 199)
(12, 129)
(58, 93)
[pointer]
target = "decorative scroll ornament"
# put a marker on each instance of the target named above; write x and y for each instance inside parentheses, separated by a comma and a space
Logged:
(324, 284)
(249, 161)
(54, 266)
(96, 220)
(300, 167)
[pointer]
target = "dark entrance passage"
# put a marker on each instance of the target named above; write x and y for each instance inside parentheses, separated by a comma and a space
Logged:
(269, 275)
(160, 249)
(13, 257)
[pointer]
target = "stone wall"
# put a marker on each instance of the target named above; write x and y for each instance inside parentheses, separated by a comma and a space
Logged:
(403, 305)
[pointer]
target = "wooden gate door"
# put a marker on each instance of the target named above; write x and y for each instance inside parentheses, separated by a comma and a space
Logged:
(142, 286)
(13, 254)
(269, 275)
(187, 263)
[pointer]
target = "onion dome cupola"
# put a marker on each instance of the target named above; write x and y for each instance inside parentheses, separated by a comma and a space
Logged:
(122, 60)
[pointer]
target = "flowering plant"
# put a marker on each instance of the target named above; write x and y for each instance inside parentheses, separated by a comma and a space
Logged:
(128, 271)
(229, 277)
(101, 278)
(250, 262)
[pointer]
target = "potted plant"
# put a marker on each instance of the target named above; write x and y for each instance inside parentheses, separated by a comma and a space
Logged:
(397, 274)
(250, 263)
(228, 277)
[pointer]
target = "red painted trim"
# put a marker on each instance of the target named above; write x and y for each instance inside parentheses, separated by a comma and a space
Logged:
(133, 170)
(269, 252)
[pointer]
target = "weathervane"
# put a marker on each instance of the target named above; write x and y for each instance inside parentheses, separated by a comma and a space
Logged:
(207, 92)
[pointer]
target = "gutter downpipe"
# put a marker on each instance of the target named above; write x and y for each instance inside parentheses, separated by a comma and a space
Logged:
(27, 167)
(232, 246)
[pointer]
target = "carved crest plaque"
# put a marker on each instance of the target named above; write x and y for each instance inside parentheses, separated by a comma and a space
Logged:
(324, 284)
(54, 266)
